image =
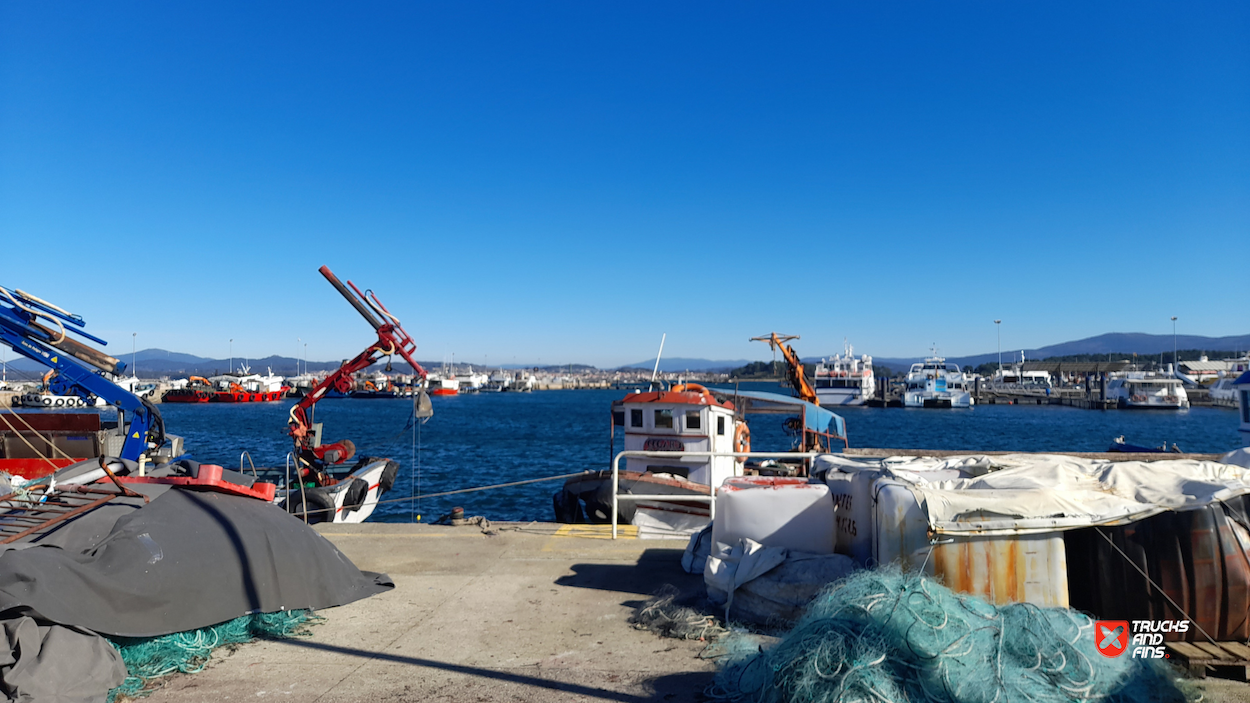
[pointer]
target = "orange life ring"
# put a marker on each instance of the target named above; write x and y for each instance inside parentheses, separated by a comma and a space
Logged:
(690, 387)
(742, 441)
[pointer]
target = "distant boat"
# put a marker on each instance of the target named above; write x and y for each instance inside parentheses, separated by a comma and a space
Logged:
(935, 384)
(1142, 390)
(845, 380)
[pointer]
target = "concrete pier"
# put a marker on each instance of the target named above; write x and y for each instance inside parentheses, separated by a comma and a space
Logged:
(534, 613)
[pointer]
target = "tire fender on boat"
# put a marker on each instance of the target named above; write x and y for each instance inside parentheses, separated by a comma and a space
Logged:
(320, 505)
(47, 400)
(356, 495)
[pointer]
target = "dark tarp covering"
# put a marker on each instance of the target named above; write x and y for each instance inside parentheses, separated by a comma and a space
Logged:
(186, 560)
(43, 663)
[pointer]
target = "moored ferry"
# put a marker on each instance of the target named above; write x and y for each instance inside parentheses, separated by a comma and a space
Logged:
(935, 384)
(1142, 390)
(844, 380)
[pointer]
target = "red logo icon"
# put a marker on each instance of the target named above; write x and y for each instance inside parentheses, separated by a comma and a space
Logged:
(1111, 637)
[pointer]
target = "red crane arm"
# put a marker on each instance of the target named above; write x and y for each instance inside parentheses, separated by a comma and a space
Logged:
(392, 339)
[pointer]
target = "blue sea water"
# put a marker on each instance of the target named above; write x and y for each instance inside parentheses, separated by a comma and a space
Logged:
(491, 438)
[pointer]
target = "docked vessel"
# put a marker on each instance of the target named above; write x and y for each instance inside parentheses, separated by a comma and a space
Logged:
(935, 384)
(687, 418)
(845, 380)
(252, 388)
(44, 398)
(322, 485)
(444, 385)
(1143, 390)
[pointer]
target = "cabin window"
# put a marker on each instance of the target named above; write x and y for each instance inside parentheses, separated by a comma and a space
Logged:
(635, 417)
(720, 426)
(692, 420)
(664, 418)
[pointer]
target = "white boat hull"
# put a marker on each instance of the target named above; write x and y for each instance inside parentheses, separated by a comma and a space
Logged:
(370, 473)
(938, 400)
(841, 396)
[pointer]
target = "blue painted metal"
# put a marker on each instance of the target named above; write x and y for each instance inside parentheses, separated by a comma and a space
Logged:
(20, 331)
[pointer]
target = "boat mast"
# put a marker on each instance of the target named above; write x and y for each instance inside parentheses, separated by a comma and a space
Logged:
(658, 354)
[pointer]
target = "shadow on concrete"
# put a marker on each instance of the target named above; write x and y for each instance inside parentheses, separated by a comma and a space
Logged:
(674, 687)
(654, 568)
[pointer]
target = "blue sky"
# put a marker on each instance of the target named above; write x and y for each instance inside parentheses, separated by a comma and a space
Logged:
(563, 182)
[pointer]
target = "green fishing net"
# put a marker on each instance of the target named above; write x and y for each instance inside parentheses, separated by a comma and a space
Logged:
(888, 636)
(188, 652)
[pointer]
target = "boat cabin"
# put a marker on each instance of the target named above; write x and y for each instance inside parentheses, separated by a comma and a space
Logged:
(687, 418)
(1242, 386)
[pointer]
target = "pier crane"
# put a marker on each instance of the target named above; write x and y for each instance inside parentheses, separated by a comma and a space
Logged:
(79, 369)
(794, 367)
(312, 455)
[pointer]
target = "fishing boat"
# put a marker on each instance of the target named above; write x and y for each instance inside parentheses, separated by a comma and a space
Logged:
(320, 482)
(44, 398)
(1147, 391)
(844, 380)
(688, 418)
(444, 385)
(935, 384)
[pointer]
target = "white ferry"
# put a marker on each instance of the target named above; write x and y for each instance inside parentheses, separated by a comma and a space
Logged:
(845, 380)
(1138, 389)
(935, 384)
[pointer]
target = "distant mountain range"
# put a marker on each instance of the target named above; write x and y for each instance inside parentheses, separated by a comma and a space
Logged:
(679, 363)
(161, 362)
(1111, 343)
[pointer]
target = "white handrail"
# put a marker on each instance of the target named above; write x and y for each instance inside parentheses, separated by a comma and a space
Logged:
(710, 498)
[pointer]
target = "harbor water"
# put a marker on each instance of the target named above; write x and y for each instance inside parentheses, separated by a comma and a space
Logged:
(492, 438)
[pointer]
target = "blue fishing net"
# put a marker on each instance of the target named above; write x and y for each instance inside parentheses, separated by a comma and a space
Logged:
(888, 636)
(188, 652)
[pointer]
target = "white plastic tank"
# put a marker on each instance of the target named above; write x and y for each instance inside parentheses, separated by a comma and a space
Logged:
(850, 488)
(776, 512)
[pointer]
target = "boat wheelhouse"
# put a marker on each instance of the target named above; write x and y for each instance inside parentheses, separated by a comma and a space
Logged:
(935, 384)
(844, 380)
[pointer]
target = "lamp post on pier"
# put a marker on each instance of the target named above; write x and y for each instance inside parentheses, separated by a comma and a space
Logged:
(1176, 363)
(998, 325)
(134, 371)
(298, 340)
(231, 369)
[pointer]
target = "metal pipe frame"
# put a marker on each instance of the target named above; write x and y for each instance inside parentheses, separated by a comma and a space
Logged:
(710, 498)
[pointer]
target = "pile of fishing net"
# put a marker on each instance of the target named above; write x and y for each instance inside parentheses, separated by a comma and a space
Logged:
(188, 652)
(883, 635)
(665, 617)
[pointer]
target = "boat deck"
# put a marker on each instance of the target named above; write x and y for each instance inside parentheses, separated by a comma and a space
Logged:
(535, 613)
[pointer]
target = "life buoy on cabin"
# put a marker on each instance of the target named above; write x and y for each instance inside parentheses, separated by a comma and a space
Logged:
(742, 441)
(47, 400)
(688, 387)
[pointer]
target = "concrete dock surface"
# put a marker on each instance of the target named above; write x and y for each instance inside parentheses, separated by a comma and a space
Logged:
(533, 613)
(536, 612)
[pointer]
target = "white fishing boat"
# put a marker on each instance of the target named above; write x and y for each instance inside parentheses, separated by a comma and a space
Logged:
(1017, 379)
(935, 384)
(688, 418)
(845, 380)
(1140, 389)
(43, 399)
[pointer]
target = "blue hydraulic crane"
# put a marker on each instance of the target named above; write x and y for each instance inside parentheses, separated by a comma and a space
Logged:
(78, 367)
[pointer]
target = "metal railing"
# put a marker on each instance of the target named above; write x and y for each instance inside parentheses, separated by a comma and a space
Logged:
(710, 498)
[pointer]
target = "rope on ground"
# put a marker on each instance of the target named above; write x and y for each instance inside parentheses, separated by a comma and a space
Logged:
(664, 617)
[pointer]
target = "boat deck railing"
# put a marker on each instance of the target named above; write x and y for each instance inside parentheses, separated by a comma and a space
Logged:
(710, 498)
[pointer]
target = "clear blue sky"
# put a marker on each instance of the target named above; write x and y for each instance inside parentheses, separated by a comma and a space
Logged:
(565, 181)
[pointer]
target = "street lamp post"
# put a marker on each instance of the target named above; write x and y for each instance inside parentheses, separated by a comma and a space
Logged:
(998, 325)
(298, 339)
(134, 370)
(1176, 363)
(305, 358)
(231, 369)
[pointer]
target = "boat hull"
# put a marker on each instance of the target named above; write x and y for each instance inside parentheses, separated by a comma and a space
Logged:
(352, 499)
(588, 499)
(841, 396)
(444, 391)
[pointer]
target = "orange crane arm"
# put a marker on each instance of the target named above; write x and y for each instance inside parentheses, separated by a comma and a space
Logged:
(794, 367)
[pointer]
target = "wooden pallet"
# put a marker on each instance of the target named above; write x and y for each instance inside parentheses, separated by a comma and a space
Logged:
(1199, 657)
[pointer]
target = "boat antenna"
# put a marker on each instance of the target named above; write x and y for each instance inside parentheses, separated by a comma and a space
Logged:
(658, 354)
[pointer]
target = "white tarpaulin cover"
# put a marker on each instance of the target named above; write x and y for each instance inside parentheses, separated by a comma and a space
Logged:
(1028, 493)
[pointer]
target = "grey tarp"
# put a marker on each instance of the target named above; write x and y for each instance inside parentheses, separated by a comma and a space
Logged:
(43, 663)
(187, 560)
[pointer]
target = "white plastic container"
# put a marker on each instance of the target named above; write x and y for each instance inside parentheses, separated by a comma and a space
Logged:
(776, 512)
(851, 491)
